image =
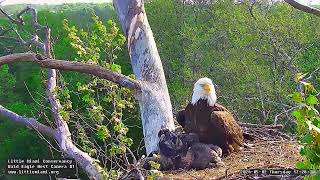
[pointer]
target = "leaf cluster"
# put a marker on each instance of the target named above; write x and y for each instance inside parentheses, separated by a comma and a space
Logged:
(308, 124)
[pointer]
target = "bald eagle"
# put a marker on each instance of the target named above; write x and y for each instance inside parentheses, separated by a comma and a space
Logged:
(183, 150)
(213, 123)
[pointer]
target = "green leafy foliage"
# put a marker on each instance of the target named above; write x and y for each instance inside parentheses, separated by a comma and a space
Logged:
(250, 56)
(22, 87)
(308, 123)
(155, 172)
(103, 133)
(104, 104)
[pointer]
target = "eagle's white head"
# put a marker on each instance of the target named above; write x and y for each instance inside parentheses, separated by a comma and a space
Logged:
(204, 89)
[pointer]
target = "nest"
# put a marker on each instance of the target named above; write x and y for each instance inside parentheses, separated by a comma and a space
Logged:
(266, 148)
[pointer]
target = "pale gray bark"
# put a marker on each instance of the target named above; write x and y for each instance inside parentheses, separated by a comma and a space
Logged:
(154, 100)
(29, 122)
(61, 133)
(150, 84)
(92, 69)
(64, 136)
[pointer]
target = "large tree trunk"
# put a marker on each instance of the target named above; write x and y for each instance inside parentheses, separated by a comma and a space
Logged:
(154, 100)
(150, 85)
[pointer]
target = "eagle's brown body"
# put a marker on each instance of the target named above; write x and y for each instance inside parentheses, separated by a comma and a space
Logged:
(214, 125)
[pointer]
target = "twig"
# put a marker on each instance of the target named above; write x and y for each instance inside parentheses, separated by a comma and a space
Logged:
(2, 1)
(34, 14)
(4, 31)
(185, 171)
(277, 126)
(226, 173)
(10, 38)
(311, 74)
(284, 112)
(10, 18)
(29, 122)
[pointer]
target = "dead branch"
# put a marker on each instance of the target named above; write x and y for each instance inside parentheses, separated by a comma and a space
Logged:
(303, 8)
(34, 40)
(20, 21)
(263, 133)
(29, 122)
(1, 1)
(4, 31)
(284, 112)
(62, 135)
(249, 125)
(9, 38)
(73, 66)
(311, 74)
(14, 21)
(34, 15)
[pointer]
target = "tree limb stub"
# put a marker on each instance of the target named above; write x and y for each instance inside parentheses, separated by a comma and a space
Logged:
(303, 8)
(29, 122)
(73, 66)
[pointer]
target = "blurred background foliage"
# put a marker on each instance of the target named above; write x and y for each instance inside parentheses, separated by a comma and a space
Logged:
(250, 51)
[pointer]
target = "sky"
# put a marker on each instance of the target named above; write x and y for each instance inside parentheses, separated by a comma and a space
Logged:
(7, 2)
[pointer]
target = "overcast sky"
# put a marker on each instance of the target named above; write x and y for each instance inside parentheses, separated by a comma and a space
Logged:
(6, 2)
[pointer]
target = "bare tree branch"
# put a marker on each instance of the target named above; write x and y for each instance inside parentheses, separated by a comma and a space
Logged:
(69, 148)
(9, 38)
(1, 1)
(29, 122)
(249, 125)
(19, 20)
(303, 8)
(32, 41)
(4, 31)
(10, 18)
(73, 66)
(62, 135)
(34, 15)
(275, 122)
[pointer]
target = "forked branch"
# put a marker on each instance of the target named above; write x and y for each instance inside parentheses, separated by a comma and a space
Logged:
(62, 134)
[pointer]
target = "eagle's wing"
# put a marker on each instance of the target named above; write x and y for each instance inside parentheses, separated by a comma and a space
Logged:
(219, 107)
(233, 131)
(181, 118)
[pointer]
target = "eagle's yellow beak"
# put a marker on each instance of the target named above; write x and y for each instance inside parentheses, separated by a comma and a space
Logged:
(206, 88)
